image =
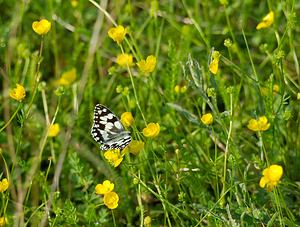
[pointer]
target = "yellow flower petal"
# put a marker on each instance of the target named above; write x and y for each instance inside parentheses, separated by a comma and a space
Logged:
(259, 125)
(118, 33)
(136, 146)
(127, 119)
(4, 184)
(267, 21)
(271, 177)
(54, 130)
(18, 93)
(104, 188)
(152, 130)
(3, 221)
(124, 60)
(147, 66)
(41, 27)
(111, 200)
(207, 119)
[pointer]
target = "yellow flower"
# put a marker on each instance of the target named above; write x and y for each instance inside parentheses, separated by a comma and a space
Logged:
(127, 119)
(3, 221)
(54, 130)
(298, 95)
(114, 157)
(207, 119)
(271, 177)
(148, 65)
(214, 64)
(135, 146)
(41, 27)
(111, 200)
(124, 60)
(67, 77)
(104, 188)
(152, 130)
(117, 34)
(259, 125)
(147, 221)
(267, 21)
(4, 184)
(18, 93)
(180, 89)
(276, 88)
(74, 3)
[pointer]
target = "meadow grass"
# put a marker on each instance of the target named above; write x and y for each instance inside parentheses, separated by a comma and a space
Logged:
(200, 170)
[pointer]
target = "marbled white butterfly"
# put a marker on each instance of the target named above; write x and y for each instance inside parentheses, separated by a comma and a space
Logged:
(108, 130)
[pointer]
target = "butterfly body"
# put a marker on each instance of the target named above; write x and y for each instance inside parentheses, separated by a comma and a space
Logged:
(108, 130)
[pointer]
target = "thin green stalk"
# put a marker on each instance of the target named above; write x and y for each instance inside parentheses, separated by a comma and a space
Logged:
(134, 90)
(263, 149)
(139, 199)
(226, 151)
(113, 216)
(12, 117)
(36, 79)
(104, 12)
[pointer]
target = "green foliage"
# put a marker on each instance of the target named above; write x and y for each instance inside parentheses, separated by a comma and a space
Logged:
(192, 173)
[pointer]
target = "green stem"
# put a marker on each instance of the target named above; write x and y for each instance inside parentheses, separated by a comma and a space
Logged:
(134, 90)
(226, 152)
(36, 79)
(11, 118)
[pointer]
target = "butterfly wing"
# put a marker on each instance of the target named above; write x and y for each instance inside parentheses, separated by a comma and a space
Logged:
(108, 130)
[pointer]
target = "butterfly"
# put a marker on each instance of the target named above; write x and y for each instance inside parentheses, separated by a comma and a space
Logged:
(108, 130)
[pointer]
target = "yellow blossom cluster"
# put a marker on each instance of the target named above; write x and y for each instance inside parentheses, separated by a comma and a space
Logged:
(147, 66)
(110, 198)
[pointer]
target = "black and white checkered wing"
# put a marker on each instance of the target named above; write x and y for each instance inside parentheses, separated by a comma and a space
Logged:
(108, 130)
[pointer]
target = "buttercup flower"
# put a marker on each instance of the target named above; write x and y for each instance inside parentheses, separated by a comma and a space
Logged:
(104, 188)
(152, 130)
(114, 157)
(111, 200)
(147, 221)
(54, 130)
(18, 93)
(267, 21)
(124, 60)
(214, 64)
(276, 88)
(259, 125)
(148, 65)
(117, 34)
(74, 3)
(135, 146)
(207, 119)
(67, 77)
(127, 119)
(3, 221)
(41, 27)
(271, 177)
(4, 184)
(180, 89)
